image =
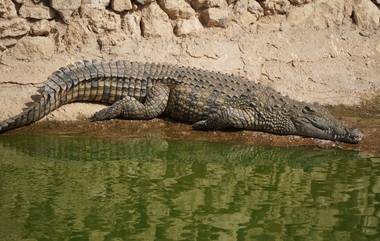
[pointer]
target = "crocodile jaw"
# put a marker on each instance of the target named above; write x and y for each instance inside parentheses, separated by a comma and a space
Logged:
(333, 132)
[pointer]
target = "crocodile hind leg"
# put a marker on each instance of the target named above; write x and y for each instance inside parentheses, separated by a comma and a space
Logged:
(130, 108)
(227, 117)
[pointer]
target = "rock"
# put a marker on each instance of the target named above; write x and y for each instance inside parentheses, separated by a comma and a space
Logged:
(299, 16)
(188, 26)
(98, 4)
(7, 9)
(319, 15)
(255, 8)
(35, 11)
(177, 8)
(107, 41)
(366, 14)
(121, 5)
(7, 42)
(200, 4)
(155, 22)
(131, 24)
(65, 8)
(78, 35)
(102, 20)
(299, 2)
(31, 48)
(144, 2)
(15, 27)
(2, 47)
(247, 11)
(275, 6)
(197, 4)
(41, 28)
(215, 17)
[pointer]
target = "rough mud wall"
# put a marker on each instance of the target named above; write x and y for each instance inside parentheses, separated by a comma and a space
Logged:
(326, 51)
(71, 24)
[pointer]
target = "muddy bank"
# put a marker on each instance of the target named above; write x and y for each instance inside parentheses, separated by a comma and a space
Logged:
(370, 126)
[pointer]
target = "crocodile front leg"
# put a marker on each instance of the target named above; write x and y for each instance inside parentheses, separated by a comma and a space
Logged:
(227, 117)
(130, 108)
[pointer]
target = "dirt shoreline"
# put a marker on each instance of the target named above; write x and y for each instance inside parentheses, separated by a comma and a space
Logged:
(172, 130)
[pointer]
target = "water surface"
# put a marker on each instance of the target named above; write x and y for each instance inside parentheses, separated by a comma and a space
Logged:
(65, 187)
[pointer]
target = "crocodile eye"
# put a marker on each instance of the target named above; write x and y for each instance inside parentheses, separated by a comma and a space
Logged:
(307, 109)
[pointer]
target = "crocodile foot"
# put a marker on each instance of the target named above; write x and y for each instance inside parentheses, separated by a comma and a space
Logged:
(100, 115)
(201, 125)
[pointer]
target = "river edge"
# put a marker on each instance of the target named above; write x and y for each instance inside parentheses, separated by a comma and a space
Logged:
(369, 125)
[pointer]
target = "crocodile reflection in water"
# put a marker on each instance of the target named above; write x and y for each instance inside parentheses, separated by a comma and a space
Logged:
(152, 189)
(92, 149)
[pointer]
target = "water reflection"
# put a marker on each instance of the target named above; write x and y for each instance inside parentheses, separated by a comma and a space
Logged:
(79, 188)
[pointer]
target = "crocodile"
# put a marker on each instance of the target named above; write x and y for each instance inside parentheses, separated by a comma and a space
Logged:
(208, 100)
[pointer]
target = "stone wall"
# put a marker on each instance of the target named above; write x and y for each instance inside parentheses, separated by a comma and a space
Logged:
(325, 51)
(70, 24)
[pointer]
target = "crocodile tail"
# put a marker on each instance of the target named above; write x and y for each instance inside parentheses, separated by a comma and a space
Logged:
(35, 111)
(47, 99)
(84, 81)
(55, 92)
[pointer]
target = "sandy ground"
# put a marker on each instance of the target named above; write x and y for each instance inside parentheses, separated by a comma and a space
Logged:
(331, 66)
(370, 126)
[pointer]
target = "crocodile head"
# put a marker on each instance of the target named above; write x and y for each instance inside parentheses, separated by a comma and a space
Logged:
(315, 121)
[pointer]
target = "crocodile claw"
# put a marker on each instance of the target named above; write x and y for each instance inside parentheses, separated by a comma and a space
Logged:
(99, 116)
(200, 125)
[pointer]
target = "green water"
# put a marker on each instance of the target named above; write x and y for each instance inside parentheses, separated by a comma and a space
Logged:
(86, 188)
